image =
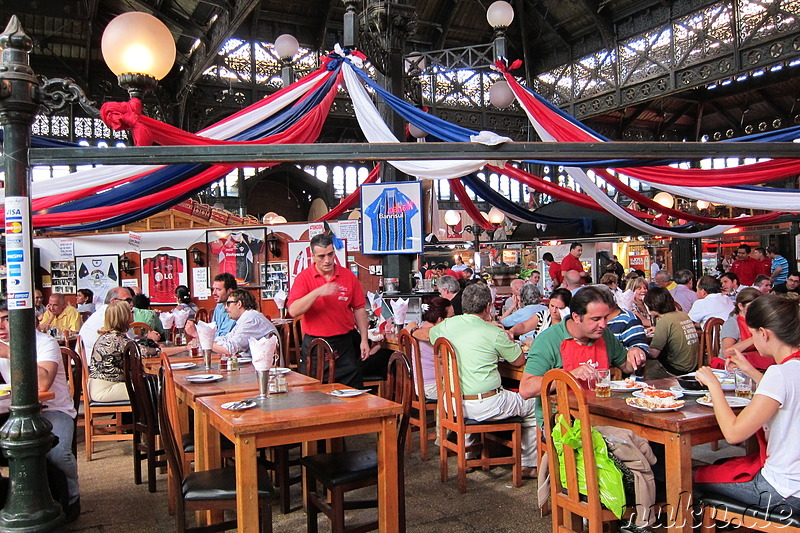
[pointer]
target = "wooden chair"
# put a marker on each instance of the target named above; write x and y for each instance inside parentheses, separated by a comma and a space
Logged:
(213, 490)
(569, 507)
(141, 329)
(718, 508)
(710, 341)
(338, 473)
(102, 420)
(294, 342)
(421, 407)
(451, 418)
(143, 392)
(319, 353)
(73, 371)
(202, 314)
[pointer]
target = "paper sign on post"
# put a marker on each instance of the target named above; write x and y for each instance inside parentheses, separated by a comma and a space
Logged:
(66, 249)
(348, 231)
(315, 228)
(135, 240)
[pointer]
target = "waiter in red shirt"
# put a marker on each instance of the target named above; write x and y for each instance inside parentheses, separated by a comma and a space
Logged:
(332, 304)
(572, 260)
(745, 267)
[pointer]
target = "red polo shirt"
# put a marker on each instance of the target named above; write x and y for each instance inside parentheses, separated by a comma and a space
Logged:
(570, 262)
(328, 315)
(746, 270)
(555, 274)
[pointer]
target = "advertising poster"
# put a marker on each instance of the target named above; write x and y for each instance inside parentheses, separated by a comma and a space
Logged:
(391, 218)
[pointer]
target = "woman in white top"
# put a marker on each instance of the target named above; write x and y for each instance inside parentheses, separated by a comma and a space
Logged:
(774, 322)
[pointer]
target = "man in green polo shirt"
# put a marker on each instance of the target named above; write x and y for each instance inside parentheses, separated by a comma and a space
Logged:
(579, 345)
(479, 347)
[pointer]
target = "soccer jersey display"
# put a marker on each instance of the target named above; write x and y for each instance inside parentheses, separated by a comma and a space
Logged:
(97, 274)
(164, 271)
(236, 256)
(390, 215)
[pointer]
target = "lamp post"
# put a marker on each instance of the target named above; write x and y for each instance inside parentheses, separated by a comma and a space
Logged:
(287, 47)
(500, 15)
(26, 437)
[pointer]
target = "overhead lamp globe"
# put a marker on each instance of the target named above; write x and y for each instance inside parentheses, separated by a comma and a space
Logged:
(702, 204)
(267, 219)
(138, 43)
(452, 218)
(496, 216)
(500, 14)
(286, 46)
(500, 94)
(416, 132)
(665, 199)
(279, 220)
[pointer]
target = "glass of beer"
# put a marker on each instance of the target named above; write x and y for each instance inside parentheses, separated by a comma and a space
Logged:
(744, 385)
(602, 385)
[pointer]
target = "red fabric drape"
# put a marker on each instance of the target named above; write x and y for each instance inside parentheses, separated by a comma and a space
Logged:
(469, 206)
(345, 204)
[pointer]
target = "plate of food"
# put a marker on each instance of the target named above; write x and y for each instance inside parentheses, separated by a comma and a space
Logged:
(627, 385)
(347, 393)
(182, 366)
(677, 389)
(655, 405)
(733, 401)
(241, 405)
(280, 370)
(658, 394)
(204, 378)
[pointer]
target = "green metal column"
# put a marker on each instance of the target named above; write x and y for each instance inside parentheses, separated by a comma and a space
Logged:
(26, 437)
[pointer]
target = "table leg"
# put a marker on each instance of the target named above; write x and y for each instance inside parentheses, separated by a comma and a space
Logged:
(388, 478)
(678, 463)
(207, 456)
(308, 448)
(246, 486)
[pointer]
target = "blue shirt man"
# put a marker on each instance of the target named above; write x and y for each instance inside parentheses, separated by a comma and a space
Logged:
(221, 287)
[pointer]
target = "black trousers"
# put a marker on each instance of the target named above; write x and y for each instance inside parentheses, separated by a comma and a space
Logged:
(346, 350)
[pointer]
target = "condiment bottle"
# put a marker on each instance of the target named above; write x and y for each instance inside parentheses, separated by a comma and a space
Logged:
(233, 362)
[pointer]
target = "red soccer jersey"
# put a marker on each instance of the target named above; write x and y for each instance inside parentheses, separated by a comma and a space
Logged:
(164, 271)
(570, 262)
(329, 315)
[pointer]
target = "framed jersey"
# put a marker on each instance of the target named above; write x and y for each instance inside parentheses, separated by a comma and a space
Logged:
(98, 273)
(162, 272)
(237, 252)
(391, 218)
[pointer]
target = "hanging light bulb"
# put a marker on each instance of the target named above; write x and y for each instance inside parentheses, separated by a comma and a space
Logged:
(500, 94)
(496, 216)
(665, 199)
(702, 204)
(416, 132)
(452, 218)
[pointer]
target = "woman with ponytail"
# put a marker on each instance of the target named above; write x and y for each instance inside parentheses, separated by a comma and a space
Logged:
(774, 323)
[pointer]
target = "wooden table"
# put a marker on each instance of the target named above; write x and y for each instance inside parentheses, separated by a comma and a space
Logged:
(678, 431)
(256, 428)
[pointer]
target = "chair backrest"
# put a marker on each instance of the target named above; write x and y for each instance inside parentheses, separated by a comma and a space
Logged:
(399, 389)
(448, 386)
(84, 370)
(410, 346)
(84, 315)
(559, 389)
(202, 314)
(320, 353)
(170, 430)
(73, 368)
(143, 403)
(140, 329)
(710, 343)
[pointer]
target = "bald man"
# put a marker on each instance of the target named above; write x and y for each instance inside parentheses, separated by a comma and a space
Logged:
(512, 302)
(60, 315)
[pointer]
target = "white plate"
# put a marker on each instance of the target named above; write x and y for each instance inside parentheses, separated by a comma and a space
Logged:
(620, 386)
(633, 402)
(733, 401)
(280, 370)
(182, 366)
(231, 406)
(204, 378)
(347, 393)
(675, 394)
(688, 392)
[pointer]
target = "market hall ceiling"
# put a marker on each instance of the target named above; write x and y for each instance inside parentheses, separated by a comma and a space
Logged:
(546, 34)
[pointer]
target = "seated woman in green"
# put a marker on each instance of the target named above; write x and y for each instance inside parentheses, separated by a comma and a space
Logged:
(675, 341)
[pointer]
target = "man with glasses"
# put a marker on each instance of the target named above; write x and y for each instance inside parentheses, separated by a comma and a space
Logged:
(242, 308)
(95, 322)
(59, 315)
(332, 304)
(792, 284)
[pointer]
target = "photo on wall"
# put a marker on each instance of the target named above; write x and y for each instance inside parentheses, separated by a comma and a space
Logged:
(237, 252)
(98, 273)
(162, 272)
(391, 218)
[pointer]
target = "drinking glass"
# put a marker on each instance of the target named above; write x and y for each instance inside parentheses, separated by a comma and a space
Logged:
(207, 359)
(263, 383)
(602, 386)
(744, 384)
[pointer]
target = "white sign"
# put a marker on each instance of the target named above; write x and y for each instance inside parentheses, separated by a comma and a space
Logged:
(18, 253)
(315, 228)
(130, 282)
(66, 249)
(135, 240)
(348, 231)
(200, 283)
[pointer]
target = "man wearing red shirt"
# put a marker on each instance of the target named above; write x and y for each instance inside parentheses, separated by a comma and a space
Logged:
(764, 262)
(572, 260)
(553, 269)
(332, 304)
(745, 267)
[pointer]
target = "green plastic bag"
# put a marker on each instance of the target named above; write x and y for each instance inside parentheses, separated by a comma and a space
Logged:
(609, 477)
